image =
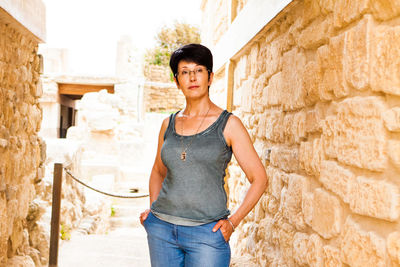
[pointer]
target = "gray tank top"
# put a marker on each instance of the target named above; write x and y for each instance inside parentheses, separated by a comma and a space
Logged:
(193, 190)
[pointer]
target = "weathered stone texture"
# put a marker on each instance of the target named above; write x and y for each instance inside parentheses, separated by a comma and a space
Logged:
(310, 155)
(374, 198)
(318, 87)
(292, 91)
(336, 178)
(392, 119)
(291, 204)
(385, 65)
(393, 247)
(315, 252)
(385, 9)
(356, 135)
(162, 97)
(20, 119)
(332, 257)
(358, 54)
(285, 158)
(331, 60)
(394, 152)
(345, 12)
(361, 248)
(327, 214)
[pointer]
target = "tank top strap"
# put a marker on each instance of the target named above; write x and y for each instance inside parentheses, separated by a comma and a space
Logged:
(171, 124)
(222, 123)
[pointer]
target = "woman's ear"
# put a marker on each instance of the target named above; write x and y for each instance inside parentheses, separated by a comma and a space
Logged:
(210, 78)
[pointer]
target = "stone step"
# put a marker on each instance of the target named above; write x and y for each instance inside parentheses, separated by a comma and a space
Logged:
(126, 221)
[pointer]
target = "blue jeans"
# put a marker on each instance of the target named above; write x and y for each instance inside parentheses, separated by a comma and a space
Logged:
(185, 246)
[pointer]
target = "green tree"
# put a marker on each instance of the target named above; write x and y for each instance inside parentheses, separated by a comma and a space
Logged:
(169, 39)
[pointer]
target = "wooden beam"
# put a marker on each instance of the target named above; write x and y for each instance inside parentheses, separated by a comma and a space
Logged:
(81, 89)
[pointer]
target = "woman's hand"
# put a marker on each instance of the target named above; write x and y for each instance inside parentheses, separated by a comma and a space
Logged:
(143, 215)
(226, 228)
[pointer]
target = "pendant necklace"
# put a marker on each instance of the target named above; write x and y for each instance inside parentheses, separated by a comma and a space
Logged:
(184, 149)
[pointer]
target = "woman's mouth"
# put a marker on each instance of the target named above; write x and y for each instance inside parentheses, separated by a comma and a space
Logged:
(193, 87)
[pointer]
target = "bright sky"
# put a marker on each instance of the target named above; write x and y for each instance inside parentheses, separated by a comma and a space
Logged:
(90, 29)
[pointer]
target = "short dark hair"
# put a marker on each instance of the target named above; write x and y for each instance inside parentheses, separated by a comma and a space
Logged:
(196, 53)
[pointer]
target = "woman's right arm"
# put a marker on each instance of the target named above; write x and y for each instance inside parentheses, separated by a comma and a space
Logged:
(158, 171)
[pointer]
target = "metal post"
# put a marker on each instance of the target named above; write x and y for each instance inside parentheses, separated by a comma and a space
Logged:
(55, 216)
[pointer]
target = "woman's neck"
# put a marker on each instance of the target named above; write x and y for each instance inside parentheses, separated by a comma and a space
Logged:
(196, 108)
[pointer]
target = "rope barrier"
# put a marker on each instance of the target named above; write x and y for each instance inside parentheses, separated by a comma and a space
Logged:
(101, 192)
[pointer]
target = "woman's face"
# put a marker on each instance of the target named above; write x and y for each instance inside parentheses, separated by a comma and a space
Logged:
(193, 79)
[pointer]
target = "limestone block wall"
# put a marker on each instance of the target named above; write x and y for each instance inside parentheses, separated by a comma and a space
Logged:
(160, 94)
(319, 91)
(162, 97)
(21, 150)
(216, 20)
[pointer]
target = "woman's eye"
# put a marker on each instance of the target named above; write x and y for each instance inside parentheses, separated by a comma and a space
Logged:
(199, 70)
(184, 72)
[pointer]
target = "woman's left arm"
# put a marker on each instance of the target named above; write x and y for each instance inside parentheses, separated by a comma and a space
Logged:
(238, 138)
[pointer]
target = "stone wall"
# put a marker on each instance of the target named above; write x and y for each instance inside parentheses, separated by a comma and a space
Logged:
(162, 97)
(319, 92)
(160, 93)
(21, 150)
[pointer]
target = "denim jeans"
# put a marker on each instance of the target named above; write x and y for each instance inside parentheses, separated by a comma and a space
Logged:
(173, 245)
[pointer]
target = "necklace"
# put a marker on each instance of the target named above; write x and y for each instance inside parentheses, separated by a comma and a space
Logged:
(184, 149)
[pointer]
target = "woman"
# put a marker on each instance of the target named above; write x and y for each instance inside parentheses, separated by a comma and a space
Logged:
(188, 223)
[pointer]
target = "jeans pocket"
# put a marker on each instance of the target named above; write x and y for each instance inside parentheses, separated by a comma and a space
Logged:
(222, 236)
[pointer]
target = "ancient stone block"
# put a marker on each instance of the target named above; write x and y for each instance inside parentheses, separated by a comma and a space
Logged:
(25, 261)
(375, 198)
(346, 12)
(327, 214)
(332, 257)
(394, 152)
(336, 178)
(385, 9)
(273, 58)
(307, 207)
(285, 238)
(330, 59)
(310, 155)
(392, 119)
(393, 246)
(385, 65)
(262, 54)
(276, 184)
(358, 53)
(253, 60)
(288, 129)
(299, 126)
(356, 135)
(361, 248)
(3, 229)
(315, 251)
(311, 76)
(300, 248)
(327, 6)
(315, 34)
(292, 204)
(293, 93)
(313, 120)
(247, 94)
(272, 94)
(285, 158)
(257, 98)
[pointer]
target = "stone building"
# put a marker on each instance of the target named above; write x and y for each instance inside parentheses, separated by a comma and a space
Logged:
(316, 82)
(160, 92)
(22, 27)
